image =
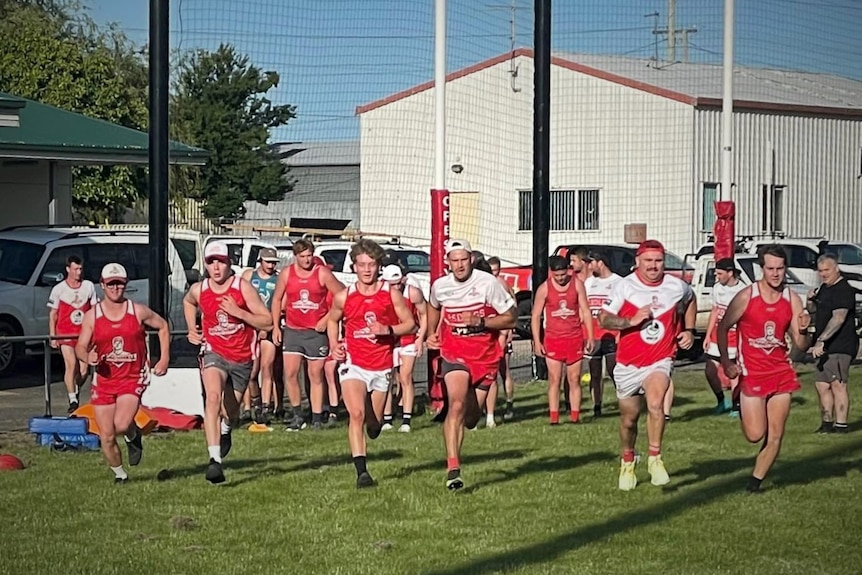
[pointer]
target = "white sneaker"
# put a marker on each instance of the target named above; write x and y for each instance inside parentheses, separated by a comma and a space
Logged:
(490, 423)
(404, 428)
(386, 427)
(628, 479)
(657, 471)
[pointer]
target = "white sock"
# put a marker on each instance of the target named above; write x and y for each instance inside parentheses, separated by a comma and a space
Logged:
(225, 427)
(215, 453)
(489, 418)
(119, 472)
(73, 398)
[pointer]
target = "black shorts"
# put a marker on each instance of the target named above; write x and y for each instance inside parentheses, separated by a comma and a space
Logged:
(238, 374)
(604, 347)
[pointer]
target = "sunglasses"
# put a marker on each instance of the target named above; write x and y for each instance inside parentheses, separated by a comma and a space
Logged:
(116, 285)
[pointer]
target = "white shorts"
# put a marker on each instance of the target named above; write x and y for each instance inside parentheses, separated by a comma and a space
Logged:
(712, 351)
(373, 380)
(408, 350)
(630, 379)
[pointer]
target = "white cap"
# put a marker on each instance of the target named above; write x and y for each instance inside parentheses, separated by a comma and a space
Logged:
(391, 273)
(217, 250)
(114, 272)
(453, 245)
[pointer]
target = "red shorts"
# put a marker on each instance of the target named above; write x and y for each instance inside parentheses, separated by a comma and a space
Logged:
(566, 350)
(764, 386)
(482, 375)
(106, 392)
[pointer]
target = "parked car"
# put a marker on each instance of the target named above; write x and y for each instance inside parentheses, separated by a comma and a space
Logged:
(33, 260)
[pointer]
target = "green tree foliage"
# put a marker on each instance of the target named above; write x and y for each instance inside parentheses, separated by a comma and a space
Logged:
(52, 52)
(220, 104)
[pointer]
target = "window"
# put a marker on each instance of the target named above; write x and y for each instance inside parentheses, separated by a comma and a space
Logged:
(55, 265)
(710, 277)
(571, 210)
(335, 258)
(772, 208)
(411, 261)
(801, 257)
(98, 256)
(710, 196)
(188, 251)
(18, 260)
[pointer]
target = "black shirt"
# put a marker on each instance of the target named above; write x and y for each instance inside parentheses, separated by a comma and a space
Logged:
(839, 295)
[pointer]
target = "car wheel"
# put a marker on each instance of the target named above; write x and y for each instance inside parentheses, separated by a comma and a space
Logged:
(9, 352)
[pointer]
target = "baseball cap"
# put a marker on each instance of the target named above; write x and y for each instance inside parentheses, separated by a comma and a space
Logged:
(452, 245)
(650, 245)
(268, 255)
(217, 251)
(114, 272)
(392, 273)
(726, 264)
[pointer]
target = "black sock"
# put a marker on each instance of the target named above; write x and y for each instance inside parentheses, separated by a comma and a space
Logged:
(509, 404)
(719, 397)
(735, 405)
(359, 462)
(333, 409)
(387, 419)
(830, 425)
(754, 483)
(406, 417)
(315, 418)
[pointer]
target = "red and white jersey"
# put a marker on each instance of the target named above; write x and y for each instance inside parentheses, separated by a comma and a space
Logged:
(762, 350)
(304, 299)
(71, 305)
(481, 294)
(722, 295)
(598, 292)
(225, 335)
(122, 347)
(364, 349)
(562, 311)
(654, 340)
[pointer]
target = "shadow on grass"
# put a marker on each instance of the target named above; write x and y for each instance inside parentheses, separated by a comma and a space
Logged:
(472, 459)
(825, 465)
(541, 465)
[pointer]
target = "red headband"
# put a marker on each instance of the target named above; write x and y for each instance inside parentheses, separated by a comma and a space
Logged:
(650, 245)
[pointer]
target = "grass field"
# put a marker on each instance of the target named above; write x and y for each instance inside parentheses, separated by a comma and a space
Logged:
(538, 500)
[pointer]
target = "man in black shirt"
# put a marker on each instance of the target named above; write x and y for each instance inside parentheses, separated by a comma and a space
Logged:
(835, 344)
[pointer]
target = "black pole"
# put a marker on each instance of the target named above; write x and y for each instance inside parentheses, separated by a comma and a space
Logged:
(158, 182)
(541, 141)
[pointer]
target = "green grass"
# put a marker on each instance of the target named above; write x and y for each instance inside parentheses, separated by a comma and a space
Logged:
(538, 500)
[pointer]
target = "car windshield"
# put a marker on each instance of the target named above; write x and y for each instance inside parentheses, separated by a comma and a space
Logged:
(847, 254)
(753, 270)
(18, 260)
(413, 261)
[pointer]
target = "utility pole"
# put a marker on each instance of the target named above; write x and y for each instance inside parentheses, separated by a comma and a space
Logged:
(513, 14)
(671, 31)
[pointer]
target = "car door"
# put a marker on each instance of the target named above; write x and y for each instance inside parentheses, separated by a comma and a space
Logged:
(802, 261)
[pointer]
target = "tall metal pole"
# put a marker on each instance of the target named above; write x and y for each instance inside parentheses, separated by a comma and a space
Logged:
(541, 140)
(158, 157)
(671, 31)
(727, 105)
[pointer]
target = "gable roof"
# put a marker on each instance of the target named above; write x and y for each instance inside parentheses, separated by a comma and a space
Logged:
(698, 85)
(50, 133)
(336, 153)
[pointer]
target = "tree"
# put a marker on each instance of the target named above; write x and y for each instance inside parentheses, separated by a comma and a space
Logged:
(54, 53)
(220, 104)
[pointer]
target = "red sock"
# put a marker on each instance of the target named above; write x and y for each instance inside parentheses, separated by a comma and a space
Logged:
(576, 416)
(653, 451)
(452, 463)
(555, 417)
(628, 455)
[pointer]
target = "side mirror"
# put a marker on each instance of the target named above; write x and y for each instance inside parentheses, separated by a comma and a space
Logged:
(51, 279)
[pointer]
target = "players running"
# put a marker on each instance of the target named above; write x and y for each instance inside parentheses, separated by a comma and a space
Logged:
(113, 341)
(68, 302)
(468, 310)
(231, 315)
(374, 317)
(654, 312)
(562, 301)
(764, 314)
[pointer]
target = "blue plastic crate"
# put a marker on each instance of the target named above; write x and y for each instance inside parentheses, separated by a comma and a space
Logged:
(61, 425)
(73, 440)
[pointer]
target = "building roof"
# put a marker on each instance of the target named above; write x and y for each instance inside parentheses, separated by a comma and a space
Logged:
(698, 85)
(338, 153)
(46, 132)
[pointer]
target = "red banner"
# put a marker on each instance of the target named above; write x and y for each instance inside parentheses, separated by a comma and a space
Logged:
(439, 231)
(724, 230)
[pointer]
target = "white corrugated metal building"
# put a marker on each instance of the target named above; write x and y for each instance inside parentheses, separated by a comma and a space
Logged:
(632, 141)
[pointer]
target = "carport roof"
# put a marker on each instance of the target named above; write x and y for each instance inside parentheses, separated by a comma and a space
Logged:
(48, 133)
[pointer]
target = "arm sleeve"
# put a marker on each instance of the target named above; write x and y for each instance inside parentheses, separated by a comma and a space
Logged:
(54, 297)
(614, 302)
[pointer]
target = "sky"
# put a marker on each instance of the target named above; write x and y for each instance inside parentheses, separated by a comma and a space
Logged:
(333, 55)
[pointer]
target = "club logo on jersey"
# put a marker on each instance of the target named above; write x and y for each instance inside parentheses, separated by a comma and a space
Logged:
(365, 332)
(768, 342)
(225, 328)
(652, 332)
(304, 304)
(118, 355)
(564, 311)
(76, 317)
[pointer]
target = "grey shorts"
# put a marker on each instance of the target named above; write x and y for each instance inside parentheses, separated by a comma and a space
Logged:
(604, 347)
(308, 343)
(833, 367)
(238, 374)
